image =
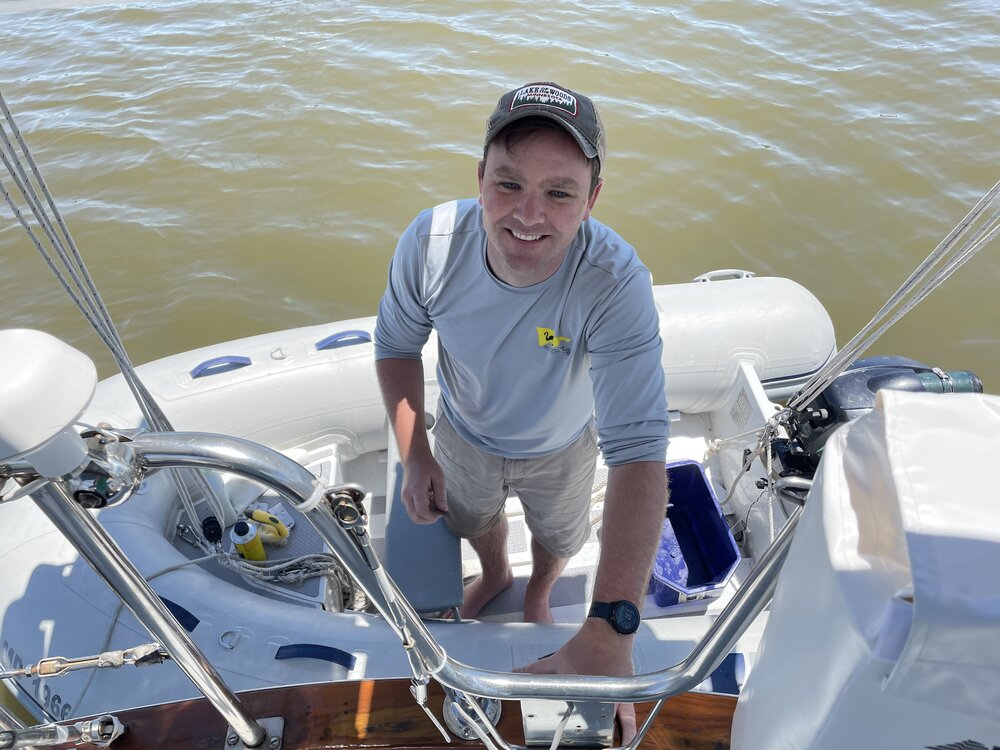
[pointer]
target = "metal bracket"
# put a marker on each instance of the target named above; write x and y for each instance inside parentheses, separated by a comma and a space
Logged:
(100, 732)
(568, 724)
(274, 727)
(461, 722)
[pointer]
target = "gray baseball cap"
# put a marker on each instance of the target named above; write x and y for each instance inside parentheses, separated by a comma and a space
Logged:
(575, 112)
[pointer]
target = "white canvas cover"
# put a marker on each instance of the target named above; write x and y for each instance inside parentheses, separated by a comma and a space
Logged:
(885, 626)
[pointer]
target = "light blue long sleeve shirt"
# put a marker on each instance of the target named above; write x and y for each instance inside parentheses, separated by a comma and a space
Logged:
(523, 370)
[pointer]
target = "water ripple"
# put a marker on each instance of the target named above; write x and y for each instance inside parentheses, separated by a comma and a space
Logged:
(236, 167)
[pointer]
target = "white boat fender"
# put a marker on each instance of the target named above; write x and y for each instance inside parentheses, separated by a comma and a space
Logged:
(316, 651)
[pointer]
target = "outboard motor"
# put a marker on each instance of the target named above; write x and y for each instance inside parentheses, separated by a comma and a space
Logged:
(852, 395)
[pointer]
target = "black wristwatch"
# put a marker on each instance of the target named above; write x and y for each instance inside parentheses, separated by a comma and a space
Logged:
(623, 615)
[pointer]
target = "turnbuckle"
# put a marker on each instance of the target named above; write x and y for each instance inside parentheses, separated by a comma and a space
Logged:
(54, 666)
(100, 732)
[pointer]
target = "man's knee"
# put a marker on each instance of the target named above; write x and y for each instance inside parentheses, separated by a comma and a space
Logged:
(466, 525)
(562, 545)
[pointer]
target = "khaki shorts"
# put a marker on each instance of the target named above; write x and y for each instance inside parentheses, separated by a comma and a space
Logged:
(554, 490)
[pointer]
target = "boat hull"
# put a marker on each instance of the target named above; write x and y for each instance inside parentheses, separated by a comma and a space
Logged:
(312, 393)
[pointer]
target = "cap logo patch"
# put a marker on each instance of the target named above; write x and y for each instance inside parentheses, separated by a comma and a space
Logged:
(547, 96)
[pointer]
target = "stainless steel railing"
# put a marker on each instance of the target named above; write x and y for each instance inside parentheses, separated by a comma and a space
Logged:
(348, 540)
(97, 547)
(298, 486)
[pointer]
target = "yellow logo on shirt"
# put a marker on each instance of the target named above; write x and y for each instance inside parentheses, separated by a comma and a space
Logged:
(547, 339)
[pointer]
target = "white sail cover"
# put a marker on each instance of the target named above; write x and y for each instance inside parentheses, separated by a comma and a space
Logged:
(885, 627)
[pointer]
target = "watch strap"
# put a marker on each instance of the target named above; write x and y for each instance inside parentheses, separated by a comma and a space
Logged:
(610, 611)
(600, 609)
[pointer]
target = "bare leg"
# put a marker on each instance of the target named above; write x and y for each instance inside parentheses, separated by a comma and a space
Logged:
(497, 575)
(545, 570)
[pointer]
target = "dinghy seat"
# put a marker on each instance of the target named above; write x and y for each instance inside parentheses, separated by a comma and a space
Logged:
(425, 561)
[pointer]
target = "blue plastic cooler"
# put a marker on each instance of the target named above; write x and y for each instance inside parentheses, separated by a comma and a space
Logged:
(697, 552)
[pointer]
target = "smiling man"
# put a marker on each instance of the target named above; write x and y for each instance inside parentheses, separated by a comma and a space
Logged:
(549, 346)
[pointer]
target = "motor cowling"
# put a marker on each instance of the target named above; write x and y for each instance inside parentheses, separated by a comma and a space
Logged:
(852, 395)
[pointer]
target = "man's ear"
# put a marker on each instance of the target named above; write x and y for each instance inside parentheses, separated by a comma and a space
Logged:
(593, 197)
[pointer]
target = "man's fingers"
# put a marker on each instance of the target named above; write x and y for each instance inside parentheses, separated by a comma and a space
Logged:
(438, 500)
(545, 665)
(416, 510)
(421, 507)
(626, 717)
(424, 495)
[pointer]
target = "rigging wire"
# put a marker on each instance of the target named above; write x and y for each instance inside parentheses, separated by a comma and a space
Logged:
(928, 276)
(79, 285)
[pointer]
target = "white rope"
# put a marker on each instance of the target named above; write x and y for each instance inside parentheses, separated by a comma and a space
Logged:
(770, 497)
(764, 437)
(570, 706)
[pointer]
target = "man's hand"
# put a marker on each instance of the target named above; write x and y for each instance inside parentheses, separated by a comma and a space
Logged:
(402, 385)
(595, 649)
(424, 496)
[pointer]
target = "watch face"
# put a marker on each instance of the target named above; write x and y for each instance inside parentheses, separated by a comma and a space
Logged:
(625, 617)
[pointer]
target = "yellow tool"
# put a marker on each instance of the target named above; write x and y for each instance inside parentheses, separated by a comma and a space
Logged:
(247, 541)
(271, 529)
